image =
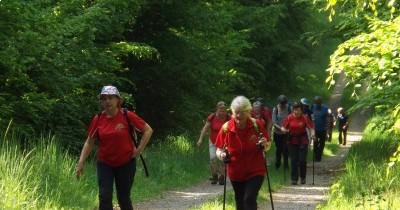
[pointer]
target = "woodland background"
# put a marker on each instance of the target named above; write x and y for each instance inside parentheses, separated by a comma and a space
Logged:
(173, 60)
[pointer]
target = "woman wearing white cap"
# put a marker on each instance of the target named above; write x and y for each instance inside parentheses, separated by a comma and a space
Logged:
(116, 159)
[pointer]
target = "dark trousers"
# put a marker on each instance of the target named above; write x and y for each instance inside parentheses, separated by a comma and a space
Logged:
(246, 193)
(298, 157)
(329, 134)
(123, 177)
(342, 136)
(281, 149)
(319, 144)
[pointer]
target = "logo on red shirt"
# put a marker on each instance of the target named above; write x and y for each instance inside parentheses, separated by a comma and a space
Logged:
(119, 127)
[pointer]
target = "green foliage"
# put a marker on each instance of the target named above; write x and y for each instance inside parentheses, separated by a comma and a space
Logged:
(354, 190)
(357, 7)
(41, 175)
(370, 57)
(176, 58)
(55, 57)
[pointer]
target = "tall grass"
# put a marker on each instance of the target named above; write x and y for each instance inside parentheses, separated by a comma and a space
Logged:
(42, 175)
(176, 162)
(365, 185)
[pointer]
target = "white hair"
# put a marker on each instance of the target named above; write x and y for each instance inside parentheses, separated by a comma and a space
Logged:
(241, 103)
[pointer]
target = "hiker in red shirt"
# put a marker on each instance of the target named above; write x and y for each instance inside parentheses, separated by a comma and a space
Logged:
(296, 124)
(116, 159)
(237, 141)
(213, 124)
(265, 114)
(256, 112)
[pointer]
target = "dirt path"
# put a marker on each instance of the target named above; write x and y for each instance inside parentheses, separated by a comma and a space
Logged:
(306, 196)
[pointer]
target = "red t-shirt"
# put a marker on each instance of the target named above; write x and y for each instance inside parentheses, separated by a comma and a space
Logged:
(115, 144)
(297, 128)
(246, 159)
(265, 115)
(216, 124)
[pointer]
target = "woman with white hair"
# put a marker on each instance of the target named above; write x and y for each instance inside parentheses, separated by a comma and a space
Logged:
(116, 158)
(240, 144)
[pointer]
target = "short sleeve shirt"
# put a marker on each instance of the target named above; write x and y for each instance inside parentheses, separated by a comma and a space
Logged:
(216, 124)
(115, 143)
(297, 128)
(246, 159)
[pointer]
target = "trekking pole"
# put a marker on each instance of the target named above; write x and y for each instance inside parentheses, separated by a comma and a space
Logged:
(313, 160)
(224, 188)
(269, 183)
(226, 160)
(259, 146)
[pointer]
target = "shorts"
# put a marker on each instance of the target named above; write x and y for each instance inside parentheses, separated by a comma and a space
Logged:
(212, 149)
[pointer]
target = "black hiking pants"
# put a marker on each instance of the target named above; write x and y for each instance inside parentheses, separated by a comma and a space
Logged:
(246, 193)
(298, 157)
(319, 144)
(123, 177)
(281, 149)
(342, 136)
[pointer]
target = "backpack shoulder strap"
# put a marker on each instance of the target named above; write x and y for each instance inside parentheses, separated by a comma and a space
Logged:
(254, 121)
(213, 116)
(225, 127)
(131, 127)
(133, 137)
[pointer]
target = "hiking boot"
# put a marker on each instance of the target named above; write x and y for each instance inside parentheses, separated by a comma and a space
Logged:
(221, 180)
(214, 179)
(303, 181)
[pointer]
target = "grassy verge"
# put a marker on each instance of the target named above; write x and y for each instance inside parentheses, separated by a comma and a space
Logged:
(42, 175)
(365, 185)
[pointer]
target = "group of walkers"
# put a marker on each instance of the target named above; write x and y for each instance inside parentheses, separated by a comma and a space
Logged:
(294, 126)
(237, 143)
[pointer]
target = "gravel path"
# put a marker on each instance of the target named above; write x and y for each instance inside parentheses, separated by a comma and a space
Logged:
(302, 197)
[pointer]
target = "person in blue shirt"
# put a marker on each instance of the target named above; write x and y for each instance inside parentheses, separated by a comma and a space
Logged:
(320, 117)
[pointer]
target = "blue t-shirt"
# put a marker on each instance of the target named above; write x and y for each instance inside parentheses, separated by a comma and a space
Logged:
(320, 116)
